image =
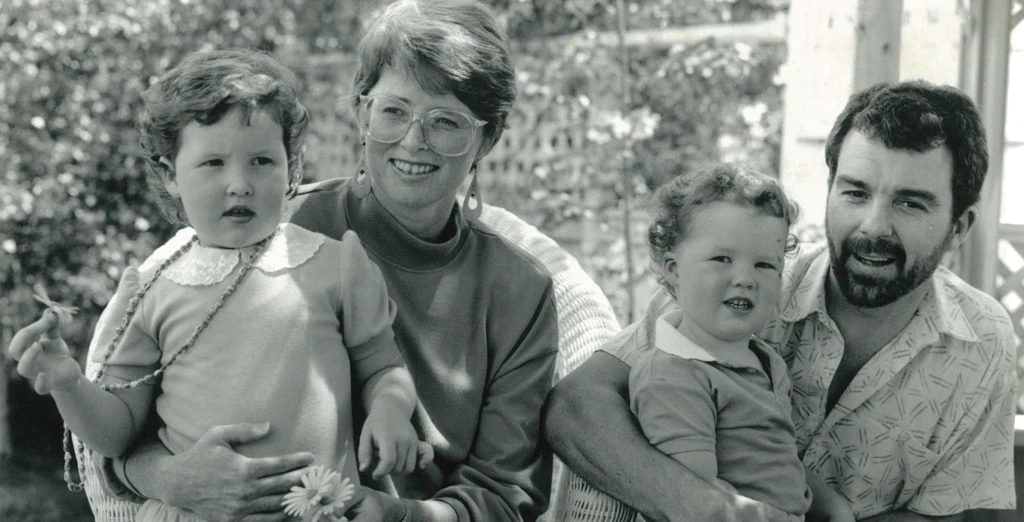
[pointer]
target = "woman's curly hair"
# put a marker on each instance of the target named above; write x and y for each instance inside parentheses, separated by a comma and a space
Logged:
(675, 202)
(205, 87)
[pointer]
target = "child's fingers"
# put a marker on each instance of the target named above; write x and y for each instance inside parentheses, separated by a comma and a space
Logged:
(426, 454)
(30, 334)
(409, 462)
(53, 346)
(365, 453)
(42, 384)
(387, 456)
(27, 363)
(53, 332)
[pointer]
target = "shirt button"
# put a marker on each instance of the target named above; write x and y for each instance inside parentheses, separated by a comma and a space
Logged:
(824, 374)
(902, 438)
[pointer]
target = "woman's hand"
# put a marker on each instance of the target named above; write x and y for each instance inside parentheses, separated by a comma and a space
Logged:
(213, 482)
(394, 443)
(43, 357)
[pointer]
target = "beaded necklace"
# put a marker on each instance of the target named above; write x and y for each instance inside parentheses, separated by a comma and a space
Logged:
(247, 265)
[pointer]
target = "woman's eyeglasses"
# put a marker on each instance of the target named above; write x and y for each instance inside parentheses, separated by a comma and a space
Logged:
(447, 132)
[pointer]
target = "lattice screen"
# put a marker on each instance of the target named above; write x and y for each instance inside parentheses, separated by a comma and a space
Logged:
(1010, 289)
(1010, 274)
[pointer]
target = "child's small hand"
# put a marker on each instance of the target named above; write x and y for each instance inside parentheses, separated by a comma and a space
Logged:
(398, 449)
(43, 356)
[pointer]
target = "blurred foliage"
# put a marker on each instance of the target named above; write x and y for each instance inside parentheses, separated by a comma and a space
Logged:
(74, 207)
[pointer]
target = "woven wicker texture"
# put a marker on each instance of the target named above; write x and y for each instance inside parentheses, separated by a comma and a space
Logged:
(583, 503)
(585, 321)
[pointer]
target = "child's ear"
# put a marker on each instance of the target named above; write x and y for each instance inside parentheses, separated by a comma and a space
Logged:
(670, 268)
(167, 176)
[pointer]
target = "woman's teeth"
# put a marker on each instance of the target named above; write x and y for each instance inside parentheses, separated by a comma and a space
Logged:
(412, 168)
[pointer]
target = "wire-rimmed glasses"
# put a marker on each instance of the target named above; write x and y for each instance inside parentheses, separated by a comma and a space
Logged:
(447, 132)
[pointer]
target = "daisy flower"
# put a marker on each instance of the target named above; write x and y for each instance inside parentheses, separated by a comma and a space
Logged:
(341, 493)
(322, 494)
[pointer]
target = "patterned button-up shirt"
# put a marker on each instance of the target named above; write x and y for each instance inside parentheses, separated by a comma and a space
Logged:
(927, 422)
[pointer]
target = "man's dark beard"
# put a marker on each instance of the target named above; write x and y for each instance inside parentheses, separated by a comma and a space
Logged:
(871, 291)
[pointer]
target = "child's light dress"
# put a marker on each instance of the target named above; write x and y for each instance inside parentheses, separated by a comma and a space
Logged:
(310, 316)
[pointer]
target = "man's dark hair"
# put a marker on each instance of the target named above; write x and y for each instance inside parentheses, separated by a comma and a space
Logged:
(919, 116)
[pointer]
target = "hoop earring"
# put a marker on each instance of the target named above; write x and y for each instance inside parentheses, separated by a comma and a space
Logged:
(472, 205)
(361, 186)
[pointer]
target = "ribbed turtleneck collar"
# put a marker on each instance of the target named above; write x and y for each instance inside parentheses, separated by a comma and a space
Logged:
(383, 235)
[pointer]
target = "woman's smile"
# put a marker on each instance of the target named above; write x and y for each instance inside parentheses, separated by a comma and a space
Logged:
(413, 169)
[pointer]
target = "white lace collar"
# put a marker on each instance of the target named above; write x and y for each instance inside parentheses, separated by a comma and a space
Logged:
(204, 266)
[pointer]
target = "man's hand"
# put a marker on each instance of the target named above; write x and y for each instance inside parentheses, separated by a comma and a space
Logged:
(368, 505)
(394, 442)
(43, 357)
(215, 483)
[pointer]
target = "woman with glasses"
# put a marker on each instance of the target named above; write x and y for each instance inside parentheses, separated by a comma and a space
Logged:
(475, 319)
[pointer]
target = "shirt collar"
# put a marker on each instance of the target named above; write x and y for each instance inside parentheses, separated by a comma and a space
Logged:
(940, 304)
(944, 300)
(669, 339)
(204, 266)
(807, 274)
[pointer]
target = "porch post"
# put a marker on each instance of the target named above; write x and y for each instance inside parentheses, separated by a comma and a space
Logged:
(879, 25)
(984, 78)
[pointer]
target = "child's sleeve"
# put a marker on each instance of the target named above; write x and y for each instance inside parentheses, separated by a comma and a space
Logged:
(135, 356)
(137, 353)
(366, 312)
(674, 401)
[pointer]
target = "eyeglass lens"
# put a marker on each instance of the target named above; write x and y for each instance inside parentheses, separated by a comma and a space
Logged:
(447, 132)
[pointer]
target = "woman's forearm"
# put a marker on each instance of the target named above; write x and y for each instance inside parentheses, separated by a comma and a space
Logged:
(140, 470)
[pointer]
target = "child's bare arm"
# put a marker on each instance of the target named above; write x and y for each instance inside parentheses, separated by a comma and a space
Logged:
(106, 421)
(390, 398)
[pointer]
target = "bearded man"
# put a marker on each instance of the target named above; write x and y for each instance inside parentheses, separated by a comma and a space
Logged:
(904, 381)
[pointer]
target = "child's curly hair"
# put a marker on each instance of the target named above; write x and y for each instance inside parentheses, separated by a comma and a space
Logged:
(205, 87)
(675, 202)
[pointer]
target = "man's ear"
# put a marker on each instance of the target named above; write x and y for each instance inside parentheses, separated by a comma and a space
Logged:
(963, 226)
(166, 172)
